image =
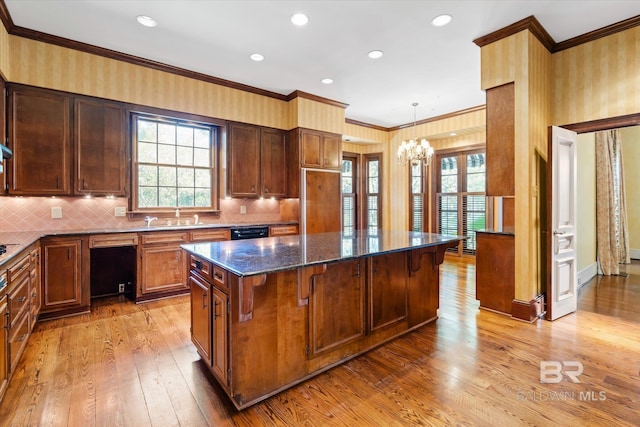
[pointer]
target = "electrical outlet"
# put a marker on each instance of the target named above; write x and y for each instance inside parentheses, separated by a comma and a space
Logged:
(56, 212)
(121, 287)
(243, 209)
(120, 211)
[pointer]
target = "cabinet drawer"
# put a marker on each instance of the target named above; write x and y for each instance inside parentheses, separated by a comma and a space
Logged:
(219, 277)
(211, 235)
(178, 237)
(18, 300)
(201, 266)
(19, 268)
(283, 230)
(18, 335)
(113, 240)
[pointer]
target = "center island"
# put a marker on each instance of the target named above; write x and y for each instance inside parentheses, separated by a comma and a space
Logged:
(269, 313)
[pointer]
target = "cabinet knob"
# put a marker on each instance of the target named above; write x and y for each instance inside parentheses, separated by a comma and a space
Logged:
(266, 189)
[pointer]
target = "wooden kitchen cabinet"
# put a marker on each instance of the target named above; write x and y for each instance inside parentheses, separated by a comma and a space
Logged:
(99, 139)
(313, 149)
(257, 161)
(4, 346)
(65, 287)
(210, 315)
(387, 290)
(162, 264)
(201, 317)
(47, 129)
(35, 292)
(336, 307)
(321, 150)
(495, 270)
(220, 336)
(40, 137)
(283, 230)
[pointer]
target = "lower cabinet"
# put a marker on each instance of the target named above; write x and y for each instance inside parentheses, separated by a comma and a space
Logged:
(4, 346)
(65, 289)
(201, 319)
(210, 316)
(162, 265)
(495, 271)
(220, 337)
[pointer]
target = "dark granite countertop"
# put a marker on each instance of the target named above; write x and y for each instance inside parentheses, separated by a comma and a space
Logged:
(18, 241)
(510, 231)
(268, 255)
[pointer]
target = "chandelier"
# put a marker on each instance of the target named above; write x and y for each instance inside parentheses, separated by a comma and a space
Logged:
(413, 152)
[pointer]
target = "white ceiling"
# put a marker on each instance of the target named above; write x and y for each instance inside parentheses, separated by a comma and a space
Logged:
(437, 67)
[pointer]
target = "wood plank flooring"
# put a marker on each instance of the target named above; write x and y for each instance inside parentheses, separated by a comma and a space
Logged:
(134, 365)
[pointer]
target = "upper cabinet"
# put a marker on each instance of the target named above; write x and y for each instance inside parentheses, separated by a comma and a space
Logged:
(99, 139)
(320, 150)
(257, 162)
(313, 149)
(40, 137)
(48, 130)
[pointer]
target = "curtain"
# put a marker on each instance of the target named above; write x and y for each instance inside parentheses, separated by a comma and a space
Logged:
(611, 209)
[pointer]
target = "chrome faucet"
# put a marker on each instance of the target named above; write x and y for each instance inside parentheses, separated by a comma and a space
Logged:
(149, 219)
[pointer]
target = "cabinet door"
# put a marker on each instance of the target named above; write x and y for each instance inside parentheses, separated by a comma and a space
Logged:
(332, 152)
(336, 306)
(387, 289)
(244, 160)
(34, 283)
(40, 137)
(220, 335)
(273, 162)
(201, 317)
(163, 268)
(311, 149)
(62, 273)
(4, 347)
(100, 147)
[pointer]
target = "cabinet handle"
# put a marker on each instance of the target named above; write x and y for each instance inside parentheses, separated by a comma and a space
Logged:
(84, 184)
(266, 189)
(34, 294)
(69, 253)
(358, 269)
(22, 337)
(215, 309)
(204, 300)
(253, 188)
(21, 299)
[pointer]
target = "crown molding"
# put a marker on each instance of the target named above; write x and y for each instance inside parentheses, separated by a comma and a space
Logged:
(366, 125)
(312, 97)
(442, 117)
(531, 23)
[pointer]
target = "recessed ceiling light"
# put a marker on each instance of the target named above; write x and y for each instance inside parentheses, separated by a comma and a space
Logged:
(452, 134)
(441, 20)
(257, 57)
(327, 81)
(300, 19)
(147, 21)
(375, 54)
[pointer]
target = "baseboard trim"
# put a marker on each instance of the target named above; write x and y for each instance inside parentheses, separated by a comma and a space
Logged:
(634, 253)
(528, 311)
(587, 274)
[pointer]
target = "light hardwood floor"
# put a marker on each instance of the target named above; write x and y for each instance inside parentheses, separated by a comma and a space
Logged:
(134, 365)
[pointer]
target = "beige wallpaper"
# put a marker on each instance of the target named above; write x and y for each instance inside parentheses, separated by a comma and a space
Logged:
(631, 159)
(365, 134)
(4, 52)
(586, 192)
(597, 80)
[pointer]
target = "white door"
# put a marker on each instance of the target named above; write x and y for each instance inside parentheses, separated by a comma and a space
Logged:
(562, 289)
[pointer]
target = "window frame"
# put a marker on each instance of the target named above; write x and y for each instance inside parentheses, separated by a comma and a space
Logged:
(355, 195)
(366, 158)
(461, 184)
(218, 133)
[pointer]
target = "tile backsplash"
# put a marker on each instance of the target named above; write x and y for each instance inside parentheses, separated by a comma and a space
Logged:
(34, 213)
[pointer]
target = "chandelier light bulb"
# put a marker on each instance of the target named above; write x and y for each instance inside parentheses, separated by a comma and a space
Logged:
(412, 152)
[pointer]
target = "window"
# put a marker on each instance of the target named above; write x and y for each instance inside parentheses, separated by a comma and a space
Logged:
(418, 197)
(361, 197)
(349, 193)
(373, 192)
(174, 164)
(460, 196)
